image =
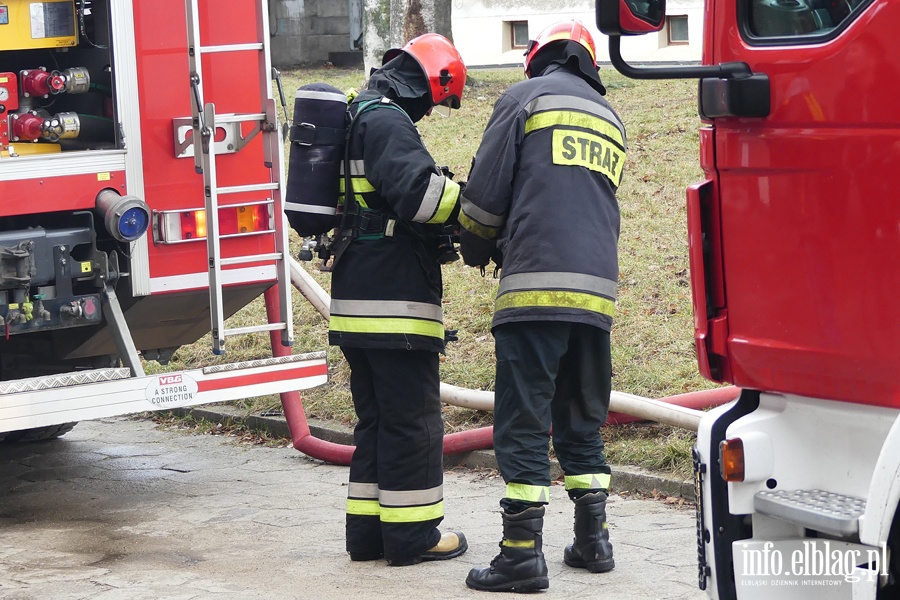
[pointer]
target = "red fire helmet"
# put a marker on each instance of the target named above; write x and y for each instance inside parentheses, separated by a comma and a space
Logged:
(442, 64)
(566, 30)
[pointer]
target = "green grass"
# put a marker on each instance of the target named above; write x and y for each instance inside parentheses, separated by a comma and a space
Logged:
(652, 339)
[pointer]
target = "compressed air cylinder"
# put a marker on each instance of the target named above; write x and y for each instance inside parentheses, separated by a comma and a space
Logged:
(317, 151)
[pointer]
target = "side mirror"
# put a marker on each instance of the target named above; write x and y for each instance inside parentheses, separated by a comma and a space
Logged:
(630, 17)
(729, 89)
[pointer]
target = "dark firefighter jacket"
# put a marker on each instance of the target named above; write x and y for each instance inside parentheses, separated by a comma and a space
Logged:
(386, 287)
(542, 188)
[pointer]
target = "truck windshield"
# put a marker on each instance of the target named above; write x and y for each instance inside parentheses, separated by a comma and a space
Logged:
(800, 18)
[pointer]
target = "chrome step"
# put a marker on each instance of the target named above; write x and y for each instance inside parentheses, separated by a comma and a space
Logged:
(821, 510)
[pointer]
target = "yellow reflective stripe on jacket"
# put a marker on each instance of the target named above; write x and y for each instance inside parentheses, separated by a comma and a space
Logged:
(569, 118)
(358, 182)
(360, 185)
(528, 493)
(387, 325)
(386, 308)
(359, 200)
(364, 508)
(448, 201)
(557, 280)
(581, 149)
(438, 200)
(570, 103)
(411, 514)
(475, 219)
(592, 481)
(482, 231)
(555, 299)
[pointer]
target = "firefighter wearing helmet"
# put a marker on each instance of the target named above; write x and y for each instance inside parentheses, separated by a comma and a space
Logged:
(541, 199)
(386, 306)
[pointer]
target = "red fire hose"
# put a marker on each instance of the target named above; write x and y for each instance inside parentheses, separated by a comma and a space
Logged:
(454, 443)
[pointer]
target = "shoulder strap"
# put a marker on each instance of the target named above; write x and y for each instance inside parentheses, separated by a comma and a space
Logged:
(346, 232)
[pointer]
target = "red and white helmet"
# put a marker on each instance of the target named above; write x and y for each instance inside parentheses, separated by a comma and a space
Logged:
(566, 30)
(442, 64)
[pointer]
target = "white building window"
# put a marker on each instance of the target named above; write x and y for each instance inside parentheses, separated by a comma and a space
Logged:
(518, 34)
(677, 30)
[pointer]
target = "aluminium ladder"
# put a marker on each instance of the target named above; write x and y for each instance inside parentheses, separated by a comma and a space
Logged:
(204, 123)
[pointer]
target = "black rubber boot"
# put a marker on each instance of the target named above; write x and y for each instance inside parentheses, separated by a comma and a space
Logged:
(520, 566)
(591, 549)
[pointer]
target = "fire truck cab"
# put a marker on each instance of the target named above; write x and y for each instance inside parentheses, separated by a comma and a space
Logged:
(794, 242)
(141, 170)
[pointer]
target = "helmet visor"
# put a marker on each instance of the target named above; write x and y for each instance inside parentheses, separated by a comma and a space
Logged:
(442, 109)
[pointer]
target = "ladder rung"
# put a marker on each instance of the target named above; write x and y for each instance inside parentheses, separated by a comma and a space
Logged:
(231, 48)
(252, 187)
(239, 118)
(255, 329)
(240, 260)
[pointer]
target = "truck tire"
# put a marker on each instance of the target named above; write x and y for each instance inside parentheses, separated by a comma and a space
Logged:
(38, 434)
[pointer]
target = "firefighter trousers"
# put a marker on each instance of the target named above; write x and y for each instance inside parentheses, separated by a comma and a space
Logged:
(395, 495)
(550, 373)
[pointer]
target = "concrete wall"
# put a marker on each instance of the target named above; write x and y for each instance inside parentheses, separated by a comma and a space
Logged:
(307, 31)
(481, 30)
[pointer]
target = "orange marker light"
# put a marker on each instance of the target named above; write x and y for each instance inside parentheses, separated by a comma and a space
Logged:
(191, 225)
(200, 220)
(731, 459)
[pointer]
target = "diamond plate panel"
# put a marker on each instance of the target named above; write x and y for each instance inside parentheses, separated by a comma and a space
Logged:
(263, 362)
(34, 384)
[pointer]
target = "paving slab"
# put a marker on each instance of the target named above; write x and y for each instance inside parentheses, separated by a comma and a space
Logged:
(120, 509)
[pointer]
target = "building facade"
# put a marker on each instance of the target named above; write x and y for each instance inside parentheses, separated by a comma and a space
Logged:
(496, 32)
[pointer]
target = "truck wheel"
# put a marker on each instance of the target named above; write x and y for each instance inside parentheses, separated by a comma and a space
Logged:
(38, 434)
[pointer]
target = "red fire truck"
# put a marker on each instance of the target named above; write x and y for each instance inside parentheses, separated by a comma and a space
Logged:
(140, 206)
(794, 243)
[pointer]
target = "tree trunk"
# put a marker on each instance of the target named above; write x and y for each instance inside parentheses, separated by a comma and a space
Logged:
(392, 23)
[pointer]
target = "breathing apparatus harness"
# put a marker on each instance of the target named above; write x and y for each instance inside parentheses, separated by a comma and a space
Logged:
(361, 223)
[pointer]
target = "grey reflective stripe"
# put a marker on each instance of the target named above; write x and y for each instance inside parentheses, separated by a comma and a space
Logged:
(314, 95)
(310, 208)
(430, 199)
(576, 282)
(542, 103)
(477, 214)
(386, 308)
(357, 168)
(367, 491)
(411, 497)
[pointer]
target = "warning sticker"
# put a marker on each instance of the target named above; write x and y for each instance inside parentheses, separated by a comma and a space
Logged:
(171, 391)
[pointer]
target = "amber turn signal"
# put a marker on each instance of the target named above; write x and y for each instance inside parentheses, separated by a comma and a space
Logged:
(731, 459)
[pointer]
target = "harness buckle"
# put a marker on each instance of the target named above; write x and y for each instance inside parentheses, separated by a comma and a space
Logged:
(371, 222)
(304, 134)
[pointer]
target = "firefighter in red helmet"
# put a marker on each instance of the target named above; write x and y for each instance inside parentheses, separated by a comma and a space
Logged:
(386, 305)
(541, 199)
